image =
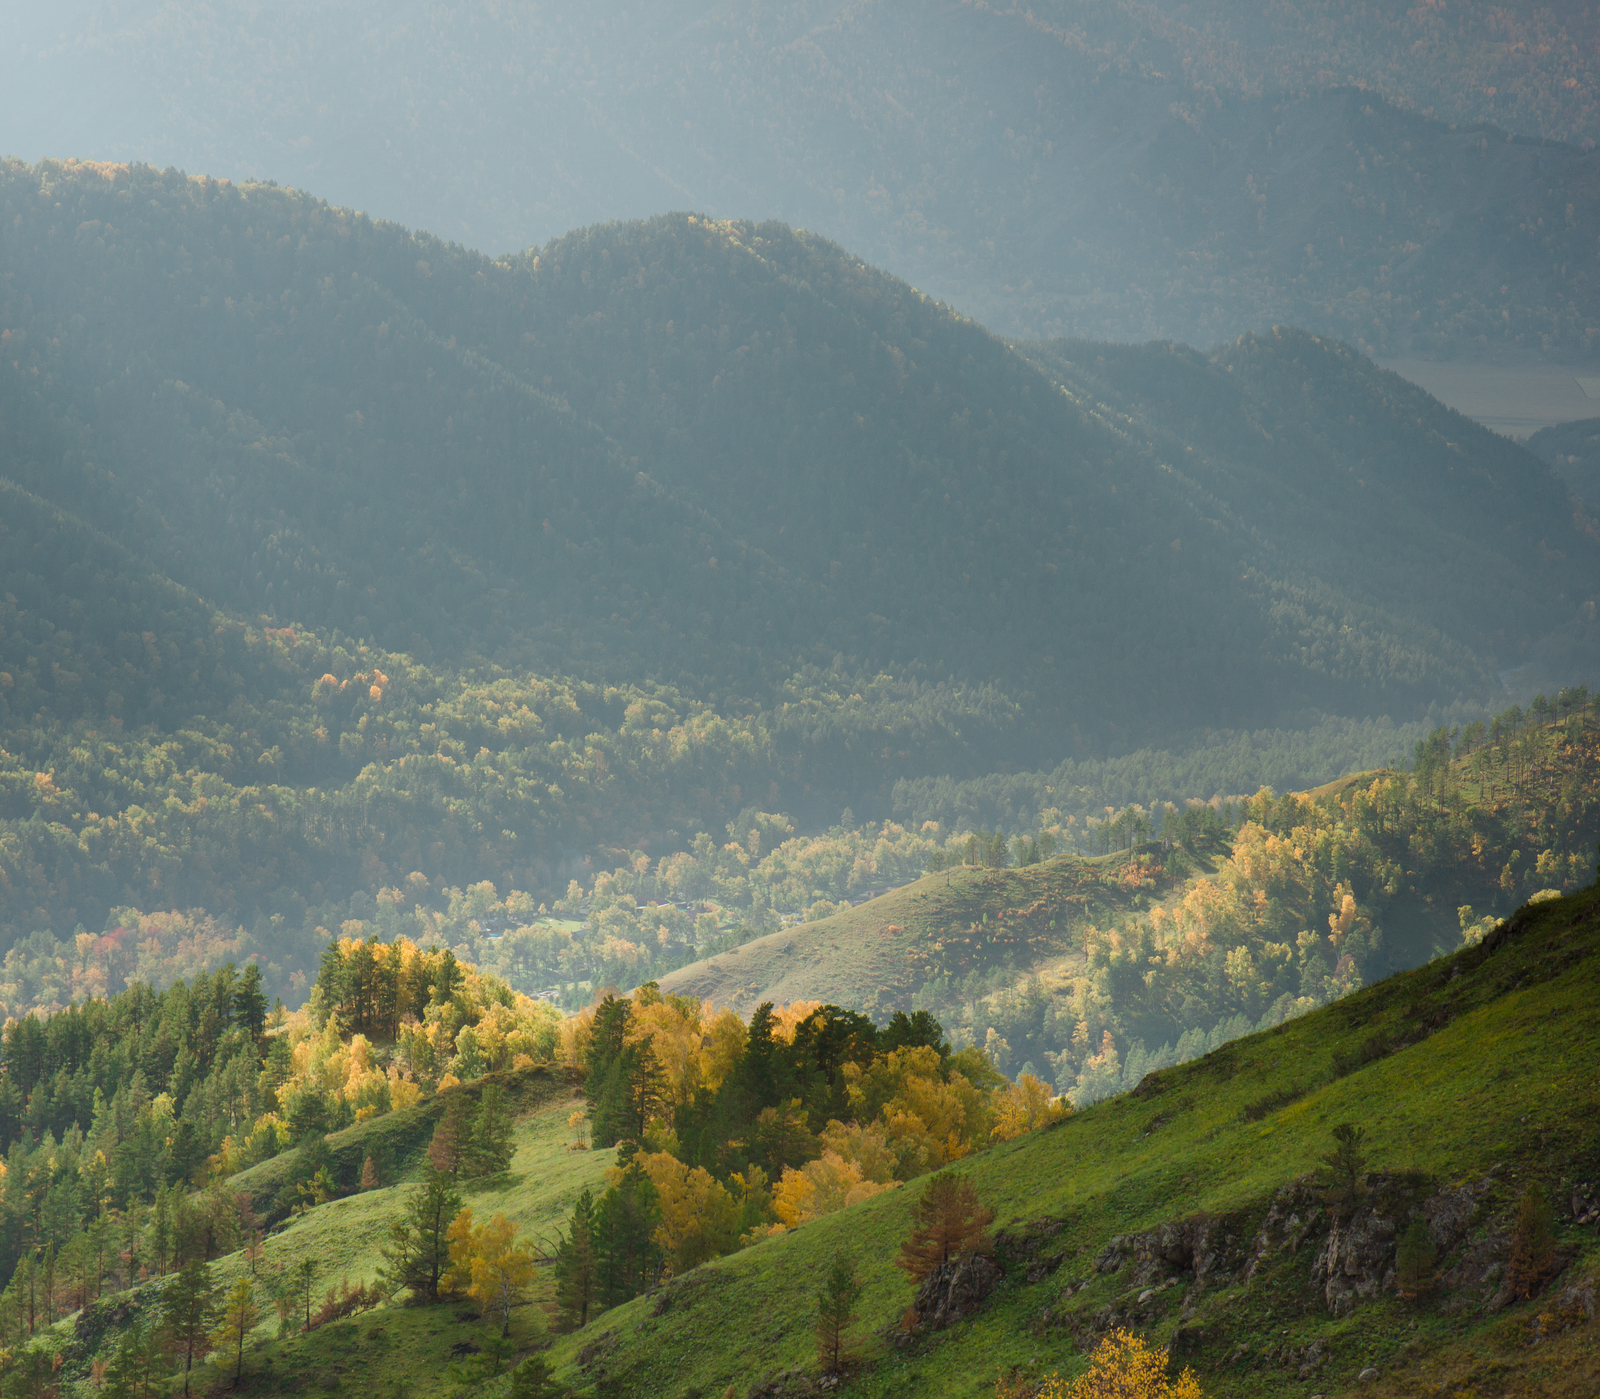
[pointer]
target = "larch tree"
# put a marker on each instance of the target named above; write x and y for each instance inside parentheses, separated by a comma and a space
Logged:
(239, 1316)
(946, 1222)
(577, 1268)
(452, 1138)
(305, 1274)
(490, 1145)
(625, 1223)
(134, 1366)
(418, 1249)
(189, 1306)
(533, 1379)
(1342, 1169)
(1533, 1243)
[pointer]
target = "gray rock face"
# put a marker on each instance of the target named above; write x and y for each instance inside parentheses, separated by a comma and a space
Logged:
(1031, 1249)
(1296, 1214)
(1584, 1204)
(1205, 1246)
(955, 1290)
(1356, 1260)
(793, 1384)
(1304, 1361)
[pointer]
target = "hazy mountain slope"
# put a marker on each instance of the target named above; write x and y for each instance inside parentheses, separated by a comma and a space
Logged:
(1331, 459)
(1573, 451)
(1122, 170)
(663, 520)
(1530, 68)
(717, 454)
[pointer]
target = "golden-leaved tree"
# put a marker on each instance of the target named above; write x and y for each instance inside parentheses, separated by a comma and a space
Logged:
(489, 1265)
(1122, 1367)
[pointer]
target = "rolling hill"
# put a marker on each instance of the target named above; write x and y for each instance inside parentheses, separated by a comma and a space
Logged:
(1166, 948)
(1126, 170)
(878, 954)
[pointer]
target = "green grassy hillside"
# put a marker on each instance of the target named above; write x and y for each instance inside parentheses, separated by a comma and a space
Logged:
(1473, 1078)
(967, 919)
(1484, 1069)
(344, 1238)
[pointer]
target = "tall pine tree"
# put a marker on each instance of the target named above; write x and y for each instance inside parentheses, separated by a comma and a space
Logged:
(624, 1229)
(189, 1304)
(577, 1268)
(418, 1251)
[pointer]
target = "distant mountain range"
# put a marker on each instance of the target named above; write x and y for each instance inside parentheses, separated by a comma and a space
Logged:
(716, 454)
(333, 551)
(1184, 169)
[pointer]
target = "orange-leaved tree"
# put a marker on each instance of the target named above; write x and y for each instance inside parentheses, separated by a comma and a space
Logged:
(1533, 1244)
(1122, 1367)
(946, 1222)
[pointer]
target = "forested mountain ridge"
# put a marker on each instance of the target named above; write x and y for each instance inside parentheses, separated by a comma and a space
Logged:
(702, 409)
(1119, 170)
(1092, 972)
(338, 555)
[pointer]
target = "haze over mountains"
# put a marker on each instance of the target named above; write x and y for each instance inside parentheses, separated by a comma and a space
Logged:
(1189, 171)
(453, 620)
(663, 518)
(717, 454)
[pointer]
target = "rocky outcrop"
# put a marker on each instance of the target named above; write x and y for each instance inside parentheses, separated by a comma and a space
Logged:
(1357, 1259)
(955, 1290)
(1206, 1247)
(1301, 1361)
(1584, 1204)
(1030, 1250)
(1295, 1215)
(794, 1384)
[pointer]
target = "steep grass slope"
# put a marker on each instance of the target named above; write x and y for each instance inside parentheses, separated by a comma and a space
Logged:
(343, 1240)
(1480, 1082)
(1181, 1210)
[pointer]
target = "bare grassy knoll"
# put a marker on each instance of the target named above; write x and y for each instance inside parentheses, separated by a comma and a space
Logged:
(875, 956)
